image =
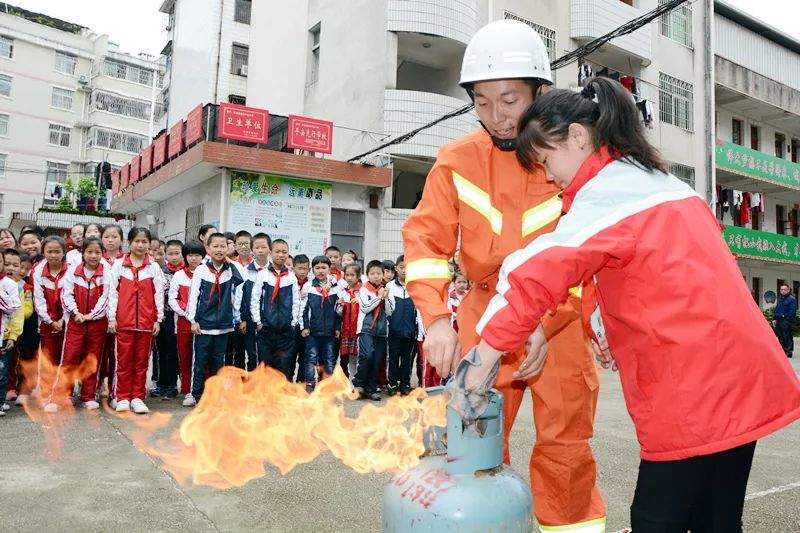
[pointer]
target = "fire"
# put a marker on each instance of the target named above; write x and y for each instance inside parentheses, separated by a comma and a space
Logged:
(51, 383)
(245, 422)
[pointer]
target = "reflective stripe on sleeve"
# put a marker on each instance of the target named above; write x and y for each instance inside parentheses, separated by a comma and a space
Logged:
(479, 200)
(540, 216)
(429, 268)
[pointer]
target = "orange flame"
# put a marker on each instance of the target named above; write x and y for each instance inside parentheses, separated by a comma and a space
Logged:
(246, 421)
(50, 383)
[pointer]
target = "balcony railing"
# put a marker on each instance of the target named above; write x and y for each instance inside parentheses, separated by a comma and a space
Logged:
(590, 19)
(453, 19)
(756, 165)
(761, 245)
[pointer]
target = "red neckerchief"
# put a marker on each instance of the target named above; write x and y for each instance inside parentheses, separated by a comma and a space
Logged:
(239, 260)
(348, 311)
(279, 275)
(323, 289)
(2, 275)
(189, 273)
(127, 263)
(216, 287)
(336, 273)
(588, 169)
(112, 259)
(374, 290)
(173, 269)
(301, 282)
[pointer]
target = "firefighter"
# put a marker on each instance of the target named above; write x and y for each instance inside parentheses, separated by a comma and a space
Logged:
(479, 197)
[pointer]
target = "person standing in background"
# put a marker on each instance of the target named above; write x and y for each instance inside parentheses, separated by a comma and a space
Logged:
(785, 315)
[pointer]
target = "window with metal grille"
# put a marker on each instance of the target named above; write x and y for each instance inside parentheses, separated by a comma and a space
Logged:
(57, 172)
(242, 11)
(676, 102)
(117, 140)
(237, 99)
(684, 173)
(737, 132)
(4, 124)
(3, 165)
(347, 230)
(6, 47)
(547, 35)
(60, 135)
(240, 55)
(120, 105)
(2, 202)
(62, 98)
(194, 219)
(65, 62)
(677, 24)
(5, 85)
(124, 71)
(315, 34)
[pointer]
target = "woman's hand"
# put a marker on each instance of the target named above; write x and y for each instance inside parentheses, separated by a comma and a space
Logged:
(537, 355)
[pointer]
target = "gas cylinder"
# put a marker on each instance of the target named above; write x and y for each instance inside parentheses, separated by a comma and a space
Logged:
(465, 487)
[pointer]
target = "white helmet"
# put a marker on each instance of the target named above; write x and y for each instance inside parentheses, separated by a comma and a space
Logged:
(502, 50)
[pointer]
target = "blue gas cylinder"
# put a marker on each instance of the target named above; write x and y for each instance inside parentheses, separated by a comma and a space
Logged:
(465, 489)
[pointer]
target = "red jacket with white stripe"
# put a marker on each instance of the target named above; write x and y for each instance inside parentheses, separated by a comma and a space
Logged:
(178, 298)
(85, 294)
(701, 370)
(135, 295)
(47, 296)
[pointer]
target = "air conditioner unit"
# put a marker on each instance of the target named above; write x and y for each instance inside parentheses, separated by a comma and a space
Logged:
(243, 70)
(83, 80)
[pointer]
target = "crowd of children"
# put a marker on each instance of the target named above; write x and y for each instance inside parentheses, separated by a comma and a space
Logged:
(82, 318)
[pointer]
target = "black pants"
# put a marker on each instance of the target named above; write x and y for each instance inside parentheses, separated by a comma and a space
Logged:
(208, 354)
(236, 354)
(401, 353)
(783, 329)
(297, 360)
(703, 494)
(371, 350)
(276, 350)
(167, 350)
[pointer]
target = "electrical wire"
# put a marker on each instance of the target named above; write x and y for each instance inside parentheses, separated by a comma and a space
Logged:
(566, 59)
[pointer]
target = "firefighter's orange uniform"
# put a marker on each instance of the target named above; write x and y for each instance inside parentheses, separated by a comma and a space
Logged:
(481, 197)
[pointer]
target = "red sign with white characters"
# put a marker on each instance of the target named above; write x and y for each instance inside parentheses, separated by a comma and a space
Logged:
(135, 165)
(159, 150)
(240, 123)
(175, 140)
(125, 176)
(194, 125)
(147, 161)
(310, 134)
(115, 182)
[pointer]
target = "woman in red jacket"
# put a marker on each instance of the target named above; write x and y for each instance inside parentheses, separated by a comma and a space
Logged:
(84, 300)
(135, 308)
(47, 278)
(702, 374)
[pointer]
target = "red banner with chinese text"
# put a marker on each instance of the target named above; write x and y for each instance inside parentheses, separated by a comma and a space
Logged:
(194, 125)
(176, 144)
(310, 134)
(241, 123)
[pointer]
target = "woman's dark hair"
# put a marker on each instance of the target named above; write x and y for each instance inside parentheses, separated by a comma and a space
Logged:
(604, 106)
(192, 247)
(58, 239)
(136, 230)
(320, 259)
(115, 227)
(389, 265)
(92, 240)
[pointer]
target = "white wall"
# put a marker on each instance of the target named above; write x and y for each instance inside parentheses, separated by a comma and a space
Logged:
(355, 197)
(171, 213)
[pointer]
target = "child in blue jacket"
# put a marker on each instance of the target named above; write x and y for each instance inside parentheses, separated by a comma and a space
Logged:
(373, 327)
(320, 320)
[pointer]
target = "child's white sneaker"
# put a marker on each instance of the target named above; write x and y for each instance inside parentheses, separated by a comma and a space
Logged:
(21, 399)
(91, 405)
(122, 406)
(5, 407)
(51, 408)
(189, 401)
(139, 407)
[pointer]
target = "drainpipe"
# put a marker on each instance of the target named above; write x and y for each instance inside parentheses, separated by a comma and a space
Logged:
(219, 51)
(708, 87)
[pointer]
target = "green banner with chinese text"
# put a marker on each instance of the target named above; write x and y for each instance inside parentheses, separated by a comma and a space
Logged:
(757, 165)
(753, 244)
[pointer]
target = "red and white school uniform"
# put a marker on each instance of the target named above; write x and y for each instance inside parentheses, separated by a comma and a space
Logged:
(178, 299)
(47, 302)
(348, 350)
(701, 370)
(107, 360)
(83, 291)
(453, 302)
(135, 305)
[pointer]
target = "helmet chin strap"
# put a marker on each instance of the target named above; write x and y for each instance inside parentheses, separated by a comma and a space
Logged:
(504, 145)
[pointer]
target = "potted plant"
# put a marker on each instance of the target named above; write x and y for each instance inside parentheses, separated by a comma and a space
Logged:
(87, 192)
